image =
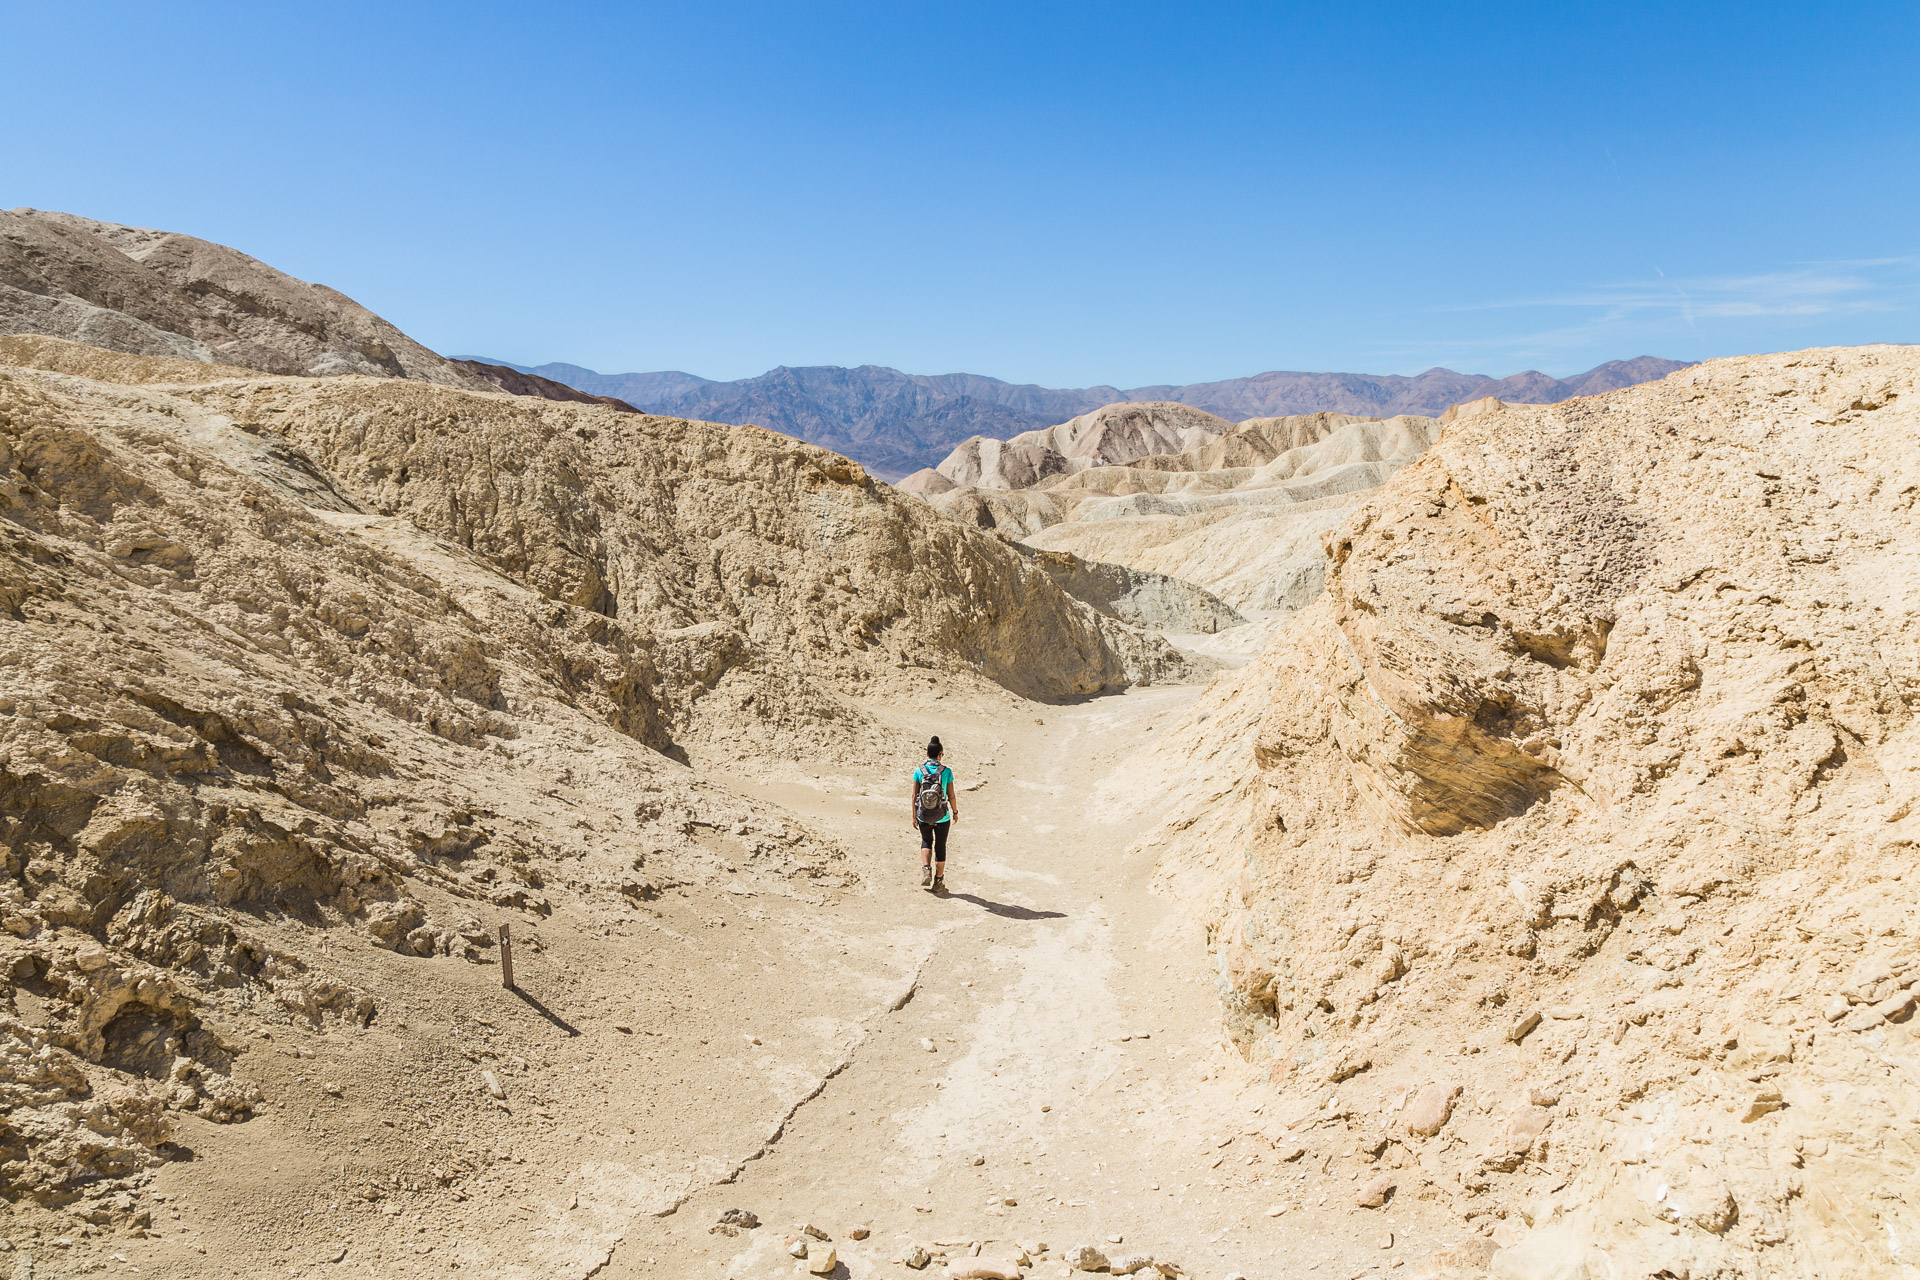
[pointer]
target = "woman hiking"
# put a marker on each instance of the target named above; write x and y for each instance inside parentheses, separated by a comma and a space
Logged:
(933, 813)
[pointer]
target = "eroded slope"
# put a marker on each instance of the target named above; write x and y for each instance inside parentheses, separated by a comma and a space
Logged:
(1560, 857)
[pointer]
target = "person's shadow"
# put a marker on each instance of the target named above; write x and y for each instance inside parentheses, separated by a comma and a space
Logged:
(1008, 911)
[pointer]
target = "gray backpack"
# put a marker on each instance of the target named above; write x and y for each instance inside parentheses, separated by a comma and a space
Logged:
(933, 791)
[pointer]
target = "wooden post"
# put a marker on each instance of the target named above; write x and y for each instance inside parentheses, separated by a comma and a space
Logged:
(506, 958)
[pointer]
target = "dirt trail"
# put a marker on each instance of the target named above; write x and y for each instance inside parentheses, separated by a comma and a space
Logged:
(1078, 1088)
(757, 1042)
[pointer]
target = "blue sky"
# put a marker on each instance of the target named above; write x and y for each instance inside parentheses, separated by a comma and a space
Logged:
(1058, 193)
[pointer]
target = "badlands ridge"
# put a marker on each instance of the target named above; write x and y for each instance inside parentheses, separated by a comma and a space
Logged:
(1529, 895)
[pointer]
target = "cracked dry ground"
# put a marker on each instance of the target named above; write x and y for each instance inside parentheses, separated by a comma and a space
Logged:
(773, 1059)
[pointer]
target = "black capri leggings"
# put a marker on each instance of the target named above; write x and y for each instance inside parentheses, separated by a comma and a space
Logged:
(934, 835)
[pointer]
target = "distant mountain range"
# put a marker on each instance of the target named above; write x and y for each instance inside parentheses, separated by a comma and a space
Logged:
(895, 423)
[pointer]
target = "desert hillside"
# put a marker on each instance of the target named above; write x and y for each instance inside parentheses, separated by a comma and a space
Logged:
(160, 293)
(1558, 859)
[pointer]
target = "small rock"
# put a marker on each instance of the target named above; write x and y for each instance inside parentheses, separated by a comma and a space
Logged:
(1375, 1193)
(1084, 1257)
(797, 1248)
(916, 1257)
(1525, 1127)
(1287, 1152)
(859, 1233)
(1432, 1108)
(740, 1218)
(1896, 1006)
(1348, 1065)
(332, 1088)
(623, 1028)
(1275, 1211)
(1166, 1268)
(1763, 1103)
(928, 1045)
(1127, 1264)
(983, 1269)
(823, 1262)
(1113, 1239)
(1523, 1026)
(809, 1229)
(492, 1084)
(976, 1159)
(1543, 1097)
(1386, 1240)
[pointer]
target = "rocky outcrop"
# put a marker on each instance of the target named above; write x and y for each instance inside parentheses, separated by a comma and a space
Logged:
(159, 293)
(1566, 841)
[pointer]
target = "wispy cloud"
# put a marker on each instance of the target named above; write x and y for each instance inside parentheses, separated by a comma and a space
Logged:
(1812, 289)
(1800, 294)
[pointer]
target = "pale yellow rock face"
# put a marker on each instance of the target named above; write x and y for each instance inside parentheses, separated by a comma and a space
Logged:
(1239, 513)
(1603, 727)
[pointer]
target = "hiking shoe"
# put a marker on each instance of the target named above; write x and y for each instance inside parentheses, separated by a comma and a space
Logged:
(940, 884)
(926, 877)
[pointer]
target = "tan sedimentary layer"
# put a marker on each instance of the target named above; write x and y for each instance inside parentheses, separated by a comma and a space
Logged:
(1561, 854)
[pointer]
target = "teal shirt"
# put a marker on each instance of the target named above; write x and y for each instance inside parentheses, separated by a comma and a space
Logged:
(921, 775)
